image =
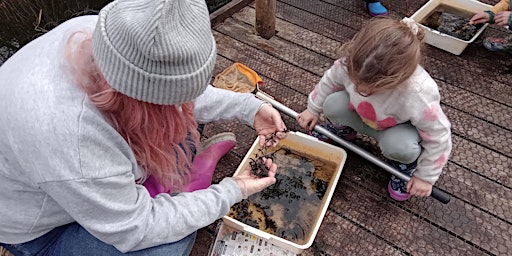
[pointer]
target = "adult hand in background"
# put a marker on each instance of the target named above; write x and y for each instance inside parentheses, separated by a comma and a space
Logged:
(480, 17)
(501, 18)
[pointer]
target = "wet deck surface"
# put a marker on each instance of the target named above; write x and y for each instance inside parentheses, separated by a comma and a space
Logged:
(476, 91)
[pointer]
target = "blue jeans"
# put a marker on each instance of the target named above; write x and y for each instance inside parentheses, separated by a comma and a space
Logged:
(73, 239)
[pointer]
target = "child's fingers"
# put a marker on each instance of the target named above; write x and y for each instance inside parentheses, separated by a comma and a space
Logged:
(409, 186)
(312, 124)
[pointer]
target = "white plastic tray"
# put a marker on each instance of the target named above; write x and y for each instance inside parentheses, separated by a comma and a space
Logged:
(443, 41)
(299, 142)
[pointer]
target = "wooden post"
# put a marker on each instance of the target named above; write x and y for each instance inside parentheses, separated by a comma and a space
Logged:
(266, 18)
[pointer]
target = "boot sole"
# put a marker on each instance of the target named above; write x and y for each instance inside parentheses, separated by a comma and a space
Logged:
(397, 196)
(224, 136)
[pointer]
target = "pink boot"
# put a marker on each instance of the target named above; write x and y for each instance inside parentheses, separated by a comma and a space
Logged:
(153, 186)
(204, 164)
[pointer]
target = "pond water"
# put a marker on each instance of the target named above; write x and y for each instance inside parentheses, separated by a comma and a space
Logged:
(24, 20)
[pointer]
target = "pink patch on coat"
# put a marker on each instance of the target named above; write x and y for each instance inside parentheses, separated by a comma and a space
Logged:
(369, 116)
(430, 114)
(386, 123)
(314, 93)
(441, 161)
(337, 88)
(424, 135)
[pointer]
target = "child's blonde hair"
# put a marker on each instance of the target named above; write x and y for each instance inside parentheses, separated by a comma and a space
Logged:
(383, 54)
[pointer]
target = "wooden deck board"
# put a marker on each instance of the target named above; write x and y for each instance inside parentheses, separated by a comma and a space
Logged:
(392, 223)
(362, 219)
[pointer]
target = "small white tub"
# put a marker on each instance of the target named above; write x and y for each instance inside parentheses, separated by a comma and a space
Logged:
(466, 8)
(298, 142)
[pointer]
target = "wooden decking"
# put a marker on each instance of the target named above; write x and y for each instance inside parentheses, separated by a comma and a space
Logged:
(476, 90)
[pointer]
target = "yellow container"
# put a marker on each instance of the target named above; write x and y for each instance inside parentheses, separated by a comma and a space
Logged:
(443, 41)
(307, 145)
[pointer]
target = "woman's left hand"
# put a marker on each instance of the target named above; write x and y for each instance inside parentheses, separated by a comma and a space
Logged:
(419, 187)
(268, 122)
(501, 18)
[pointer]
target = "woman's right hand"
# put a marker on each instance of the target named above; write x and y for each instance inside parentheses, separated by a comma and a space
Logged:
(480, 17)
(307, 120)
(250, 184)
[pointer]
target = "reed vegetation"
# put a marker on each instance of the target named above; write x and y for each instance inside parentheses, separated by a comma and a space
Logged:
(27, 19)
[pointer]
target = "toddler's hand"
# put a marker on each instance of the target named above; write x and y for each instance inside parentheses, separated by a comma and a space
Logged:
(250, 184)
(419, 187)
(307, 120)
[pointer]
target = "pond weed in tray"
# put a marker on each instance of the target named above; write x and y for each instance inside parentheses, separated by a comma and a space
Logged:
(452, 24)
(445, 23)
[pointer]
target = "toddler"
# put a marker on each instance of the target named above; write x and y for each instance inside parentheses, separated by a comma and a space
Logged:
(378, 88)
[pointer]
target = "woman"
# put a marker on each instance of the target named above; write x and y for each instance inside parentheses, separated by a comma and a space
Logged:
(100, 105)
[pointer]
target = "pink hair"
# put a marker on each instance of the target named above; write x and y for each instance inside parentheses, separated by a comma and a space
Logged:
(160, 136)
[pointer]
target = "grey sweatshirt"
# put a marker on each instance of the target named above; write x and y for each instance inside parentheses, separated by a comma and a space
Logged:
(61, 162)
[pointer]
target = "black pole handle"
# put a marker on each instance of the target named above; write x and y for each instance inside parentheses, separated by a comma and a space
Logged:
(440, 195)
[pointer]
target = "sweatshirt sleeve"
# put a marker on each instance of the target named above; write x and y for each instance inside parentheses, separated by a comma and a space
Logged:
(434, 129)
(501, 6)
(117, 211)
(94, 184)
(332, 81)
(217, 104)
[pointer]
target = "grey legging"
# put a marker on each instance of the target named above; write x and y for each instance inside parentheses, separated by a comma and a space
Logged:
(400, 143)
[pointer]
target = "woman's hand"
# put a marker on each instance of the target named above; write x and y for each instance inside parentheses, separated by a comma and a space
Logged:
(250, 184)
(481, 17)
(501, 18)
(268, 122)
(307, 120)
(419, 187)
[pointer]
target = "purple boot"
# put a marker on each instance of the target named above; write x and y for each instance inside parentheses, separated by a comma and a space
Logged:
(344, 132)
(396, 187)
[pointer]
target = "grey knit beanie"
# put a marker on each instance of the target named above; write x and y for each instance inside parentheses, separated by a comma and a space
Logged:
(157, 51)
